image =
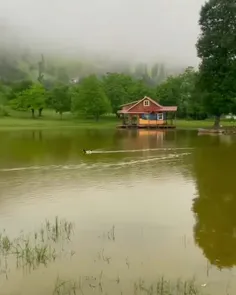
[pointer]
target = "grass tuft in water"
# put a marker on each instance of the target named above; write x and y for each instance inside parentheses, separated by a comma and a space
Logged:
(5, 244)
(110, 234)
(65, 287)
(39, 248)
(166, 287)
(161, 287)
(59, 230)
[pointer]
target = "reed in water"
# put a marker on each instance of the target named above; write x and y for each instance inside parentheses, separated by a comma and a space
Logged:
(38, 248)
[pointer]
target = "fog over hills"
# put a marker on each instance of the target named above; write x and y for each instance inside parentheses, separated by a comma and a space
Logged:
(105, 34)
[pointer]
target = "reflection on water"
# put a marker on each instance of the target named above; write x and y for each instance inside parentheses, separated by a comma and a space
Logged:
(169, 195)
(215, 229)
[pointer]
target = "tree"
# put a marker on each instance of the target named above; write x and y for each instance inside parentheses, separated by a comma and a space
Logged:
(5, 92)
(90, 99)
(116, 87)
(121, 88)
(180, 90)
(169, 91)
(216, 49)
(33, 98)
(189, 100)
(138, 89)
(60, 99)
(19, 86)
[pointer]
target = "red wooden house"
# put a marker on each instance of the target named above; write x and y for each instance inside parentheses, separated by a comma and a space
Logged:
(147, 113)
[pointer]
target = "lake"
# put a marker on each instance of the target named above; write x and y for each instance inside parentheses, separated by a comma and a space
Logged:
(143, 205)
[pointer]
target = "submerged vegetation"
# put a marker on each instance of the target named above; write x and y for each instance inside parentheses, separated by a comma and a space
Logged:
(161, 286)
(44, 246)
(35, 249)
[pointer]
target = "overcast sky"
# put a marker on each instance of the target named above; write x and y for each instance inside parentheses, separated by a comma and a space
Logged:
(148, 30)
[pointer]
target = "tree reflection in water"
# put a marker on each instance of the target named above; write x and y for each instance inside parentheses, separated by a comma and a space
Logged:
(215, 206)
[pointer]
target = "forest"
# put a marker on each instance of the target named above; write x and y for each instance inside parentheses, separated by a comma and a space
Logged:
(209, 91)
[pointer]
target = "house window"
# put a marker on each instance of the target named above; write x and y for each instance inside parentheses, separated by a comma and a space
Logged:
(160, 116)
(146, 103)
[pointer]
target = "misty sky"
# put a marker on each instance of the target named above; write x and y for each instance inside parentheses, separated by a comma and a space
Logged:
(164, 30)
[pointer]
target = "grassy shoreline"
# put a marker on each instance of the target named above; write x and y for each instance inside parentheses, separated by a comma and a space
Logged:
(49, 121)
(9, 123)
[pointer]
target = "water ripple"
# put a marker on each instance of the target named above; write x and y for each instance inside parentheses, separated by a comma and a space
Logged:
(94, 165)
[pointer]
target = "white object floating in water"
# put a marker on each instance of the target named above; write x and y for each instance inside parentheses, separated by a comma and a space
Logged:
(203, 285)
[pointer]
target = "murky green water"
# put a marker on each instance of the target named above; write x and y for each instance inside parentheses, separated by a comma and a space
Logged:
(171, 197)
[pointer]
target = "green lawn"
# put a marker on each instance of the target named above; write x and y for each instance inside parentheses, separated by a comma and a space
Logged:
(191, 124)
(51, 120)
(43, 123)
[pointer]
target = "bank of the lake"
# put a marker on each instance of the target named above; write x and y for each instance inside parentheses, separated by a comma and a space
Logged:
(9, 123)
(47, 122)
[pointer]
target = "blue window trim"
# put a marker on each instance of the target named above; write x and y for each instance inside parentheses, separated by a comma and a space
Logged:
(154, 117)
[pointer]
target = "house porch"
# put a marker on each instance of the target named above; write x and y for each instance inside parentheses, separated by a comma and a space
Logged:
(163, 120)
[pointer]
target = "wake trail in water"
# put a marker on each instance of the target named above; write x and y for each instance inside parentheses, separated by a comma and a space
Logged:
(148, 160)
(135, 151)
(98, 166)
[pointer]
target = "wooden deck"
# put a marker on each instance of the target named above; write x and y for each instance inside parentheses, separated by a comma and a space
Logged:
(147, 126)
